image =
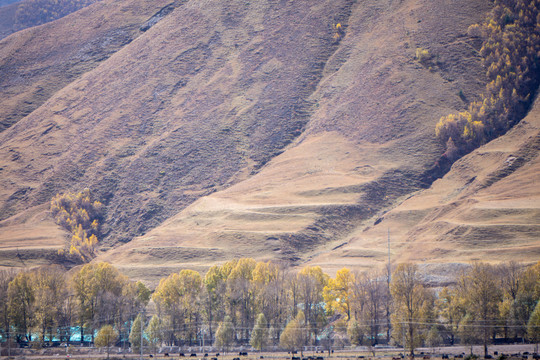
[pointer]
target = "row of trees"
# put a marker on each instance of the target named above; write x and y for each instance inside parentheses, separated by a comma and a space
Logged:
(510, 56)
(263, 304)
(47, 304)
(486, 302)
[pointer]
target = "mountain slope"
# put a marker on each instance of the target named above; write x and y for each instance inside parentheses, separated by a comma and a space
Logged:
(16, 15)
(368, 144)
(259, 129)
(37, 62)
(486, 208)
(7, 19)
(34, 64)
(178, 113)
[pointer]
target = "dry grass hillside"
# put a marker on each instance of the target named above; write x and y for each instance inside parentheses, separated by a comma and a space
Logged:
(17, 15)
(201, 100)
(368, 145)
(7, 19)
(258, 129)
(35, 63)
(486, 208)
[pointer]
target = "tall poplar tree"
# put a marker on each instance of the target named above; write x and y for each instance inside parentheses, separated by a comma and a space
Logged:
(479, 287)
(409, 298)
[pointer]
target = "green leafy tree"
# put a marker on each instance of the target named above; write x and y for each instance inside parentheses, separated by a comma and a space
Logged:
(6, 276)
(337, 293)
(153, 333)
(224, 334)
(527, 293)
(355, 332)
(167, 298)
(98, 289)
(214, 286)
(135, 296)
(135, 335)
(143, 293)
(370, 297)
(259, 335)
(241, 294)
(451, 310)
(50, 292)
(191, 287)
(434, 337)
(481, 291)
(271, 293)
(106, 338)
(469, 332)
(177, 300)
(21, 297)
(533, 327)
(294, 334)
(311, 281)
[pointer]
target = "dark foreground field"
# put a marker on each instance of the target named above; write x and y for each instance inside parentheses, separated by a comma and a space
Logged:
(514, 352)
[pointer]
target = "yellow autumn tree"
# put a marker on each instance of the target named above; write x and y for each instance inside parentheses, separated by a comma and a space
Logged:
(410, 299)
(337, 294)
(509, 54)
(80, 215)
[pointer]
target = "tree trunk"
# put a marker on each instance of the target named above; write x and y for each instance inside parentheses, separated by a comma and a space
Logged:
(485, 341)
(411, 340)
(82, 333)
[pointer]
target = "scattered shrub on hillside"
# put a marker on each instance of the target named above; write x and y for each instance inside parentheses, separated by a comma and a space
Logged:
(78, 214)
(422, 55)
(475, 30)
(338, 32)
(36, 12)
(510, 52)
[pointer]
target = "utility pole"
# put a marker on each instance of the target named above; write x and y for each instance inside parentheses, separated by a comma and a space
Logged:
(9, 343)
(388, 325)
(389, 258)
(142, 327)
(404, 341)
